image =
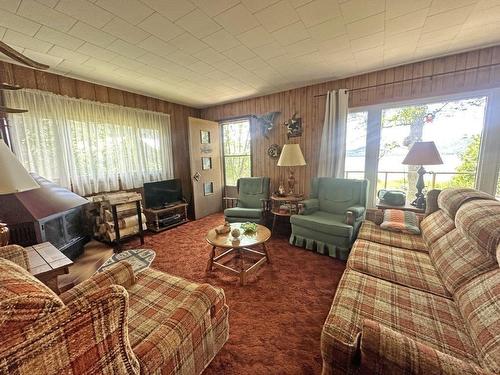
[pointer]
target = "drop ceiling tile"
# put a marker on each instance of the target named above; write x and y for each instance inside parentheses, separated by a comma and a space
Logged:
(237, 20)
(124, 30)
(2, 32)
(270, 50)
(256, 5)
(215, 7)
(182, 58)
(210, 56)
(68, 54)
(298, 3)
(240, 53)
(277, 16)
(201, 67)
(188, 43)
(300, 48)
(61, 39)
(328, 30)
(157, 46)
(409, 21)
(366, 26)
(161, 27)
(481, 17)
(172, 9)
(49, 3)
(396, 8)
(85, 11)
(354, 10)
(100, 64)
(439, 36)
(43, 57)
(133, 11)
(221, 41)
(451, 18)
(10, 5)
(198, 24)
(367, 42)
(228, 65)
(91, 34)
(126, 49)
(255, 37)
(97, 52)
(154, 60)
(254, 64)
(439, 6)
(402, 39)
(127, 63)
(45, 15)
(291, 34)
(17, 23)
(318, 11)
(26, 41)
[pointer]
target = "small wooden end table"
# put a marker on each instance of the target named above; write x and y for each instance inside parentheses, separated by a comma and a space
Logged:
(290, 201)
(46, 263)
(406, 207)
(245, 244)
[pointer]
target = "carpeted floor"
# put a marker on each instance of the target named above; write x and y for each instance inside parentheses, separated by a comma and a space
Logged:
(275, 320)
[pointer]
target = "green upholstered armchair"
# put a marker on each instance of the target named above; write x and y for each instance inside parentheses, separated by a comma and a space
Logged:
(252, 201)
(331, 217)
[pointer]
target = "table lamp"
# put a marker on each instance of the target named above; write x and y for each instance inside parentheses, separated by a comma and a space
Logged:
(422, 153)
(14, 178)
(291, 156)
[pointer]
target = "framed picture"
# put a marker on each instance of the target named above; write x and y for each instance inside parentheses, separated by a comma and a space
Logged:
(208, 188)
(206, 163)
(204, 136)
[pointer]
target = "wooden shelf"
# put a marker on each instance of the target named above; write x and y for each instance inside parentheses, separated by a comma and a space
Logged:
(155, 216)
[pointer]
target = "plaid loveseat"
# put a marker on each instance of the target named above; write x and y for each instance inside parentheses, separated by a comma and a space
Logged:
(116, 322)
(421, 304)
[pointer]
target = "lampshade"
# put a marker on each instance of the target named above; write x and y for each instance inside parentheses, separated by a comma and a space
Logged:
(13, 177)
(291, 156)
(423, 153)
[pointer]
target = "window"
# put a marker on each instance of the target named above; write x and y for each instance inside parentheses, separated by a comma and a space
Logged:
(357, 123)
(89, 146)
(454, 126)
(237, 151)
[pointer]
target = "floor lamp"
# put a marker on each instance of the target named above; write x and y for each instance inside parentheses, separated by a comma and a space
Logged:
(14, 178)
(422, 153)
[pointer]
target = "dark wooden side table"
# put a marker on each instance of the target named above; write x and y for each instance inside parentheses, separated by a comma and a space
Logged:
(406, 207)
(284, 206)
(46, 263)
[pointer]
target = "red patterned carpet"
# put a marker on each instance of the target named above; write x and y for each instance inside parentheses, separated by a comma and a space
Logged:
(275, 320)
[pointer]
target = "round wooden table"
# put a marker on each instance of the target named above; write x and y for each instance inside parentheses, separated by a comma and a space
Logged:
(245, 243)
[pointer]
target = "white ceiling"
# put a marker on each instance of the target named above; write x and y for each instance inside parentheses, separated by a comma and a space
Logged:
(204, 52)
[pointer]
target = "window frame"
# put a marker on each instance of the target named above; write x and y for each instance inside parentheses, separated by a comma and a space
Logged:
(224, 156)
(488, 169)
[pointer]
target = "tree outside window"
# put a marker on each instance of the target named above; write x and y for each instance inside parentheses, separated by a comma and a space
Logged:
(237, 150)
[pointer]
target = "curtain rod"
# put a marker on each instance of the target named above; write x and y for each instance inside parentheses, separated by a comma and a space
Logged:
(416, 78)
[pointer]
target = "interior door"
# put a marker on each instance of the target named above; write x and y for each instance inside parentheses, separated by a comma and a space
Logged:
(206, 169)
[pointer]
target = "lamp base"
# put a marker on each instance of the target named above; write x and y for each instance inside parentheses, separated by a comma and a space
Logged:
(4, 235)
(291, 182)
(419, 201)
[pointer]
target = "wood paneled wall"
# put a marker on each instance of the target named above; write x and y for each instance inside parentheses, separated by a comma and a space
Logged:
(309, 103)
(37, 79)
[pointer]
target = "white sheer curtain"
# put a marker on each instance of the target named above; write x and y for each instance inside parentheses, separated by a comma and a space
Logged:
(89, 146)
(333, 140)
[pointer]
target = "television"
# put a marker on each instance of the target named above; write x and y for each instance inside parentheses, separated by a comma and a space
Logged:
(162, 193)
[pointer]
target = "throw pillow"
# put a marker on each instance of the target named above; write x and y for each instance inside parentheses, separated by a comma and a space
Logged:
(400, 221)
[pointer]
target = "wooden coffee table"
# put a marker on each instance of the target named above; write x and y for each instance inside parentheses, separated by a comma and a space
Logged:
(246, 244)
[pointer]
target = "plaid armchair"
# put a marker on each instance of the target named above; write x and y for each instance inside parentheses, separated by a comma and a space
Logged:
(113, 323)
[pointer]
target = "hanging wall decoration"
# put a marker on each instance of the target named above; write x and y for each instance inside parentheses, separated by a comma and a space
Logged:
(294, 126)
(274, 151)
(266, 122)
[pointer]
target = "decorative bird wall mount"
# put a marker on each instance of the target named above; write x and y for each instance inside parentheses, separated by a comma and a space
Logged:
(266, 122)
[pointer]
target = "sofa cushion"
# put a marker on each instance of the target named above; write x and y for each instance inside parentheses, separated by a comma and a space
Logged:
(372, 232)
(479, 222)
(424, 317)
(400, 221)
(23, 298)
(458, 260)
(255, 213)
(401, 266)
(325, 222)
(435, 226)
(450, 200)
(479, 303)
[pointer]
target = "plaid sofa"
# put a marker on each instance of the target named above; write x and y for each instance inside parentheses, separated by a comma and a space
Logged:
(116, 322)
(426, 304)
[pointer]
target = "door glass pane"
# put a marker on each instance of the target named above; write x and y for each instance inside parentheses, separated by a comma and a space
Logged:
(356, 144)
(454, 126)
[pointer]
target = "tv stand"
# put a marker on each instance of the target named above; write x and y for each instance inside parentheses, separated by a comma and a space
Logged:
(172, 215)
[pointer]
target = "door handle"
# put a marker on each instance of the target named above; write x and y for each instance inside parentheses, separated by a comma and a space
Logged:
(197, 176)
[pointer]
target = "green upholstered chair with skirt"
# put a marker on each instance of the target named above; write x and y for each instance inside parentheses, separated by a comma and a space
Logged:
(331, 217)
(251, 204)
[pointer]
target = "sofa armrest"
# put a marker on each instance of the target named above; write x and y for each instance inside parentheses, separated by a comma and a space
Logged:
(230, 202)
(310, 206)
(375, 215)
(16, 254)
(385, 351)
(354, 213)
(120, 274)
(193, 315)
(87, 336)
